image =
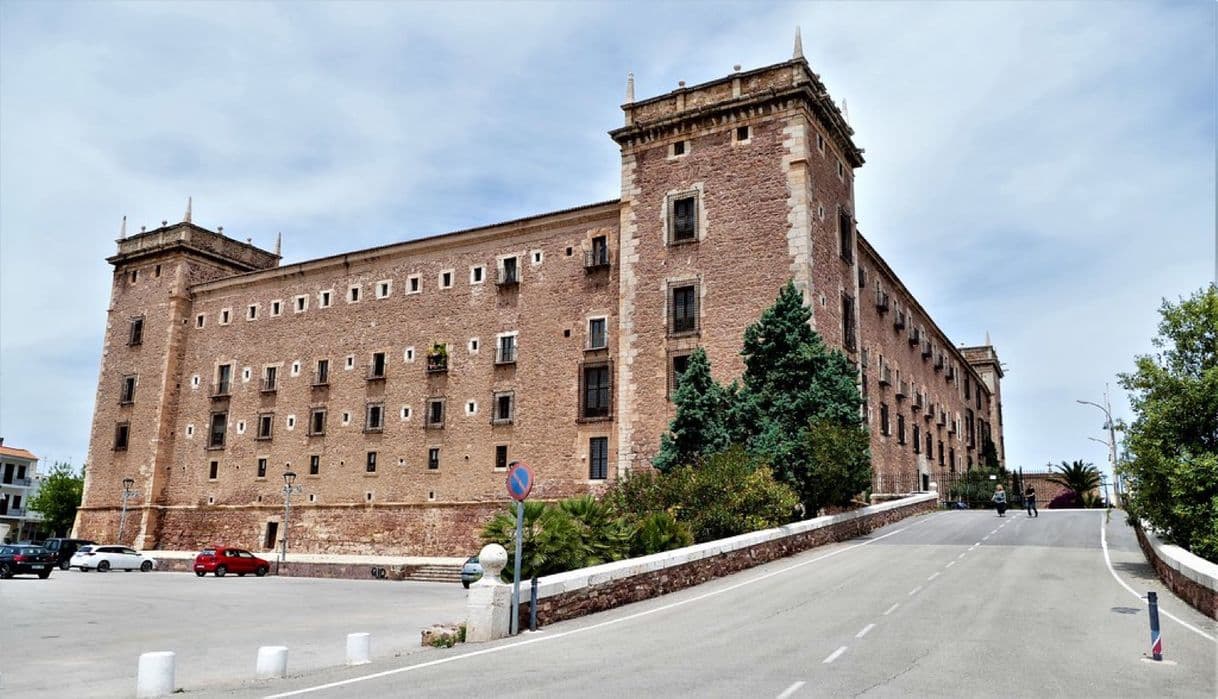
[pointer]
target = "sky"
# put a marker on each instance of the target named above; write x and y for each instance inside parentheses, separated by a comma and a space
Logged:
(1041, 171)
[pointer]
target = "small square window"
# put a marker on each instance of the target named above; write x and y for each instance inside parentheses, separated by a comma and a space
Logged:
(350, 363)
(314, 464)
(414, 284)
(251, 313)
(446, 279)
(213, 472)
(820, 142)
(300, 304)
(276, 309)
(323, 299)
(680, 148)
(433, 458)
(353, 292)
(225, 316)
(537, 257)
(477, 274)
(261, 468)
(473, 345)
(471, 408)
(156, 271)
(383, 289)
(841, 170)
(409, 354)
(291, 422)
(346, 418)
(405, 412)
(200, 320)
(742, 134)
(370, 466)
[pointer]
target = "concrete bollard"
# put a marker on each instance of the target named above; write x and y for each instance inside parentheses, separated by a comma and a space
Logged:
(272, 662)
(155, 676)
(488, 606)
(359, 648)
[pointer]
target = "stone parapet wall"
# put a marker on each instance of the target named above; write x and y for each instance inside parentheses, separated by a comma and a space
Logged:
(1191, 577)
(590, 590)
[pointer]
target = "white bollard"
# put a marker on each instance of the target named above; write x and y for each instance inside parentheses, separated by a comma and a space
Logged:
(272, 662)
(359, 648)
(155, 677)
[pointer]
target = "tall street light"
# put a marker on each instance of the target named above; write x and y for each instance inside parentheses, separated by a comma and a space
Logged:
(1112, 452)
(127, 494)
(289, 477)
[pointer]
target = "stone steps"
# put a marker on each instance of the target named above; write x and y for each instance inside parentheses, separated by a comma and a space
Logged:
(435, 573)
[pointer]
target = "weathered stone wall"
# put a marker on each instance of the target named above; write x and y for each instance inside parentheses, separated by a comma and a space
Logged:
(1182, 579)
(604, 591)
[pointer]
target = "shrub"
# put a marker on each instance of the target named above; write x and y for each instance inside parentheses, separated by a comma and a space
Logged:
(659, 531)
(551, 541)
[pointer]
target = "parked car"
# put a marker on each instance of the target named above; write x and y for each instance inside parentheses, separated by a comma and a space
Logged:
(64, 549)
(223, 560)
(18, 559)
(110, 557)
(471, 571)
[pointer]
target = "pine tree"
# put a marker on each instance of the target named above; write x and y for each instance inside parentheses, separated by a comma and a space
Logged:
(791, 380)
(700, 425)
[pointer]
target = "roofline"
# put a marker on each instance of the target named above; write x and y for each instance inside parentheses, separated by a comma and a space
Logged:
(957, 351)
(345, 258)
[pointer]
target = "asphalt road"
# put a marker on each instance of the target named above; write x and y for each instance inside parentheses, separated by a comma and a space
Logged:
(81, 634)
(947, 604)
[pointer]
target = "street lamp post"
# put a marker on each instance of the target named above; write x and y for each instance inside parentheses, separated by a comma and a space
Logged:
(127, 494)
(289, 477)
(1112, 451)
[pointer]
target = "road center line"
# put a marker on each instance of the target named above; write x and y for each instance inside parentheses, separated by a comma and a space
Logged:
(866, 628)
(933, 576)
(950, 564)
(834, 655)
(962, 555)
(1108, 562)
(891, 609)
(593, 627)
(791, 690)
(915, 591)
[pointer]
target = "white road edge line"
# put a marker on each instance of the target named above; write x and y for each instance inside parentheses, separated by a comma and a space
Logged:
(950, 564)
(1108, 562)
(891, 609)
(791, 690)
(915, 591)
(962, 555)
(611, 622)
(834, 655)
(933, 576)
(866, 628)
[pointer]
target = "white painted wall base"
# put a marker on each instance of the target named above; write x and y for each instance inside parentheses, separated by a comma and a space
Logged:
(155, 676)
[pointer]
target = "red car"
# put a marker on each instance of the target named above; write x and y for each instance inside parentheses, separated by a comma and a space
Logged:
(223, 560)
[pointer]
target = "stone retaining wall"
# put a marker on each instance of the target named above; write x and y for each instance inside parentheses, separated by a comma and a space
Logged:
(1192, 578)
(589, 590)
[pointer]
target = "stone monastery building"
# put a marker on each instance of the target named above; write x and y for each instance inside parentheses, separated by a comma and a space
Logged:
(399, 382)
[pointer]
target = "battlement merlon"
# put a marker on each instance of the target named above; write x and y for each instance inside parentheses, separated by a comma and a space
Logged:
(657, 117)
(243, 257)
(982, 355)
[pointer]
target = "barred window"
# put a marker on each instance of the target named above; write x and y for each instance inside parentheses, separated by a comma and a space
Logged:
(598, 458)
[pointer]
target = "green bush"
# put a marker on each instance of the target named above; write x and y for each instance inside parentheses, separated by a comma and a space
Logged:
(659, 531)
(551, 541)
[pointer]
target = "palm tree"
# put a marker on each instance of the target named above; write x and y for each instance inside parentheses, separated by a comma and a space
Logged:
(1080, 477)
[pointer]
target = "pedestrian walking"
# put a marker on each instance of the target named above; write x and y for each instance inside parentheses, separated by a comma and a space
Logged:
(1029, 499)
(1000, 500)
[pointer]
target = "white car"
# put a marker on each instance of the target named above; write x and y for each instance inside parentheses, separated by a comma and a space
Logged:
(104, 558)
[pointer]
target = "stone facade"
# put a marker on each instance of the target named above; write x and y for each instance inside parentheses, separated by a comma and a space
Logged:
(561, 334)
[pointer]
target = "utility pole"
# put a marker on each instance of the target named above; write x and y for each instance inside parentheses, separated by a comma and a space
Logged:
(289, 477)
(127, 494)
(1106, 408)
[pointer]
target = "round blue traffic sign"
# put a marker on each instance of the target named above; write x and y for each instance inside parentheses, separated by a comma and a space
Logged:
(519, 480)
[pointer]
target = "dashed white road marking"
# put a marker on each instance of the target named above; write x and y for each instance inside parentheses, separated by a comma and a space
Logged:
(891, 609)
(866, 628)
(915, 591)
(950, 564)
(593, 627)
(933, 576)
(791, 690)
(962, 554)
(974, 546)
(834, 655)
(986, 537)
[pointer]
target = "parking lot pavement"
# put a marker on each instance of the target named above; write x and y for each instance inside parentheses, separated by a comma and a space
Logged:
(81, 634)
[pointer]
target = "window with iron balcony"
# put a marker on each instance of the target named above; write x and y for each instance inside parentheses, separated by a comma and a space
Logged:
(598, 256)
(270, 379)
(505, 353)
(596, 392)
(509, 272)
(376, 370)
(437, 359)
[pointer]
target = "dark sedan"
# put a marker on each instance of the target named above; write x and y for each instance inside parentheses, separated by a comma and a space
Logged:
(26, 560)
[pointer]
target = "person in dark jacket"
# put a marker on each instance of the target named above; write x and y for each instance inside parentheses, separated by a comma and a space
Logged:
(1029, 499)
(1000, 500)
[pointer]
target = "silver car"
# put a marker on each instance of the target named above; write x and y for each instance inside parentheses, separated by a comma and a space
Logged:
(471, 571)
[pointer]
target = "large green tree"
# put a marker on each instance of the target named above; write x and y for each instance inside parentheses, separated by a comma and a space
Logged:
(700, 426)
(792, 380)
(58, 497)
(1172, 469)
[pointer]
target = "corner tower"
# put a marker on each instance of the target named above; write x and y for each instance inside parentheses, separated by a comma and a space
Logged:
(730, 188)
(139, 380)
